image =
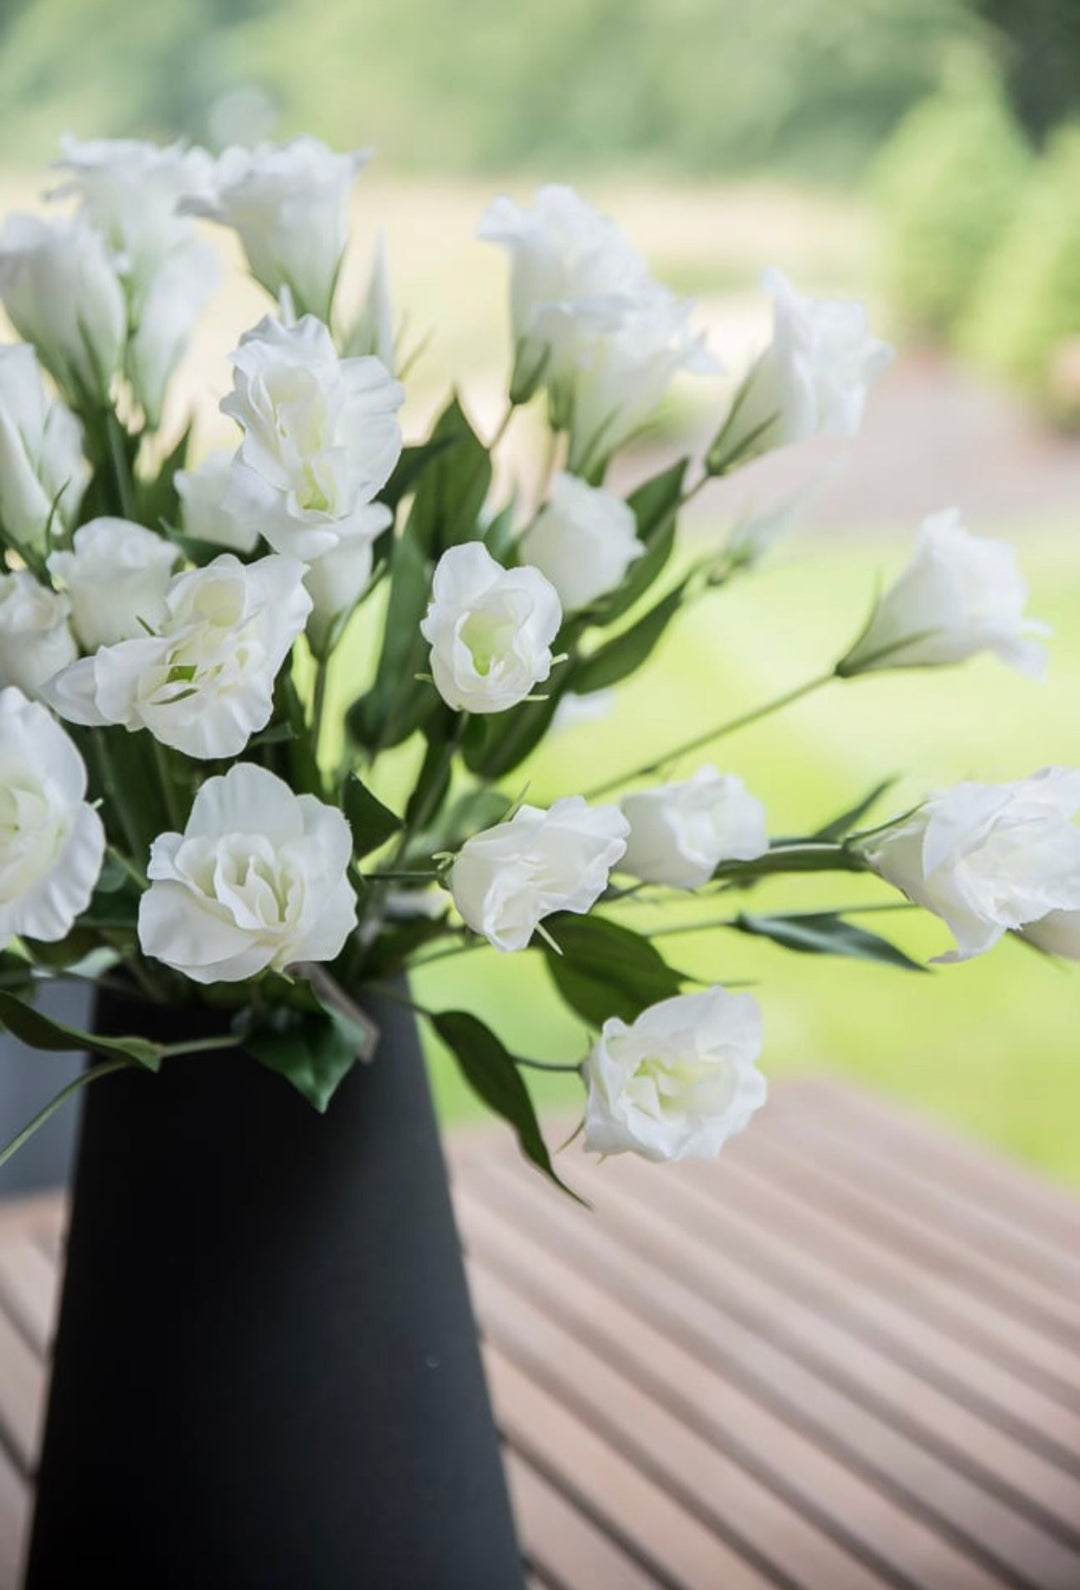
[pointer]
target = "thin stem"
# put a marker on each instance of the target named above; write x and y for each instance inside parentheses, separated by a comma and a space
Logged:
(548, 1065)
(168, 785)
(721, 729)
(113, 788)
(730, 921)
(136, 874)
(227, 1040)
(118, 460)
(318, 703)
(57, 1103)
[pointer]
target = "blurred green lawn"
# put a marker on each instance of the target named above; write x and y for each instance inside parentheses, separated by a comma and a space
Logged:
(993, 1045)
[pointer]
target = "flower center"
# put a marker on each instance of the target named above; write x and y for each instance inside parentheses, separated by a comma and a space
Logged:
(488, 636)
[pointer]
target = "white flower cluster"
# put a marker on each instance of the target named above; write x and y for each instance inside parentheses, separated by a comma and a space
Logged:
(185, 636)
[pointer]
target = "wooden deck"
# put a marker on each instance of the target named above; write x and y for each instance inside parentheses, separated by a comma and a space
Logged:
(845, 1357)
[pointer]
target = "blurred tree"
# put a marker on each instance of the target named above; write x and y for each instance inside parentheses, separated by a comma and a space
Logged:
(1041, 52)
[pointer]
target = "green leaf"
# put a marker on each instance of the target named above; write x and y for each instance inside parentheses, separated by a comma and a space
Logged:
(847, 820)
(156, 498)
(31, 1027)
(314, 1050)
(454, 486)
(397, 702)
(826, 933)
(606, 969)
(411, 466)
(655, 506)
(371, 822)
(495, 745)
(490, 1070)
(500, 536)
(433, 780)
(621, 656)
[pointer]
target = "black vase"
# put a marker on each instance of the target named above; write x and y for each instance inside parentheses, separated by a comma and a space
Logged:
(266, 1372)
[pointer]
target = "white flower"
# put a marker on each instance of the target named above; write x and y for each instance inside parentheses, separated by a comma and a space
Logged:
(51, 841)
(959, 594)
(62, 293)
(589, 323)
(321, 436)
(41, 461)
(624, 374)
(205, 684)
(338, 579)
(130, 194)
(584, 539)
(988, 858)
(163, 322)
(677, 1082)
(116, 576)
(289, 205)
(373, 332)
(35, 636)
(256, 881)
(490, 630)
(506, 879)
(208, 509)
(679, 833)
(813, 377)
(571, 268)
(574, 710)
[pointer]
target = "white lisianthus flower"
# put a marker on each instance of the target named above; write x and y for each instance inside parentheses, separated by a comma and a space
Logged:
(988, 858)
(130, 194)
(584, 539)
(813, 377)
(373, 331)
(289, 206)
(570, 269)
(35, 635)
(256, 882)
(589, 323)
(490, 630)
(43, 473)
(574, 710)
(62, 294)
(205, 684)
(625, 373)
(208, 508)
(507, 879)
(51, 840)
(116, 576)
(1056, 933)
(959, 594)
(338, 579)
(679, 833)
(677, 1082)
(321, 436)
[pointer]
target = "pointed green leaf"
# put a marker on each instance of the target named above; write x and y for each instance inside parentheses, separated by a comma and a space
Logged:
(490, 1070)
(454, 486)
(39, 1031)
(606, 969)
(371, 822)
(849, 819)
(826, 933)
(628, 650)
(314, 1050)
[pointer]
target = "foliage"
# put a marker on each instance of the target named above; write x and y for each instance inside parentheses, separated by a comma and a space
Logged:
(946, 185)
(1023, 321)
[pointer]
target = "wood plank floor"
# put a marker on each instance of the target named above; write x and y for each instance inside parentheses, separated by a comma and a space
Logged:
(845, 1357)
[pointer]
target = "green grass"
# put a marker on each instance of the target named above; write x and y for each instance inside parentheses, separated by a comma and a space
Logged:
(991, 1045)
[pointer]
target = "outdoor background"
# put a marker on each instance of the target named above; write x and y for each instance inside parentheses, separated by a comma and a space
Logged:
(920, 155)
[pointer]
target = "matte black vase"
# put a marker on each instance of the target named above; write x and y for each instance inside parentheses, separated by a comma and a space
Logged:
(266, 1373)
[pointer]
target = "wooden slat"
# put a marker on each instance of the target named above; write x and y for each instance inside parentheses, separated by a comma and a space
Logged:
(659, 1229)
(564, 1547)
(670, 1543)
(14, 1519)
(892, 1202)
(29, 1285)
(672, 1456)
(753, 1374)
(778, 1228)
(1050, 1214)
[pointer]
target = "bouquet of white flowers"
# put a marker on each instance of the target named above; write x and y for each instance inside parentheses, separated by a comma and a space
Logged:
(172, 820)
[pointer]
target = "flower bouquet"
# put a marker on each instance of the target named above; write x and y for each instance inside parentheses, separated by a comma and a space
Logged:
(181, 829)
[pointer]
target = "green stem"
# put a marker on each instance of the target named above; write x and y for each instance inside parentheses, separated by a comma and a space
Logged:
(227, 1040)
(547, 1065)
(54, 1104)
(730, 921)
(717, 733)
(135, 873)
(809, 857)
(114, 791)
(318, 704)
(168, 784)
(118, 460)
